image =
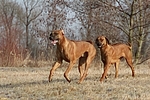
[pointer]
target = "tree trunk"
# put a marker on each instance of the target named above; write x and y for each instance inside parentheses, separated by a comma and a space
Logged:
(27, 37)
(141, 34)
(130, 40)
(138, 53)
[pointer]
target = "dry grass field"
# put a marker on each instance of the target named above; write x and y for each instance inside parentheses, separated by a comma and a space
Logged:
(31, 83)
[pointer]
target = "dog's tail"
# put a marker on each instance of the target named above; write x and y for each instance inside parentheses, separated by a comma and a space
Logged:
(129, 45)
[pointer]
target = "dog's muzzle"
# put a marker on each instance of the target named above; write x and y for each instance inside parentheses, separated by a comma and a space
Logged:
(53, 41)
(98, 43)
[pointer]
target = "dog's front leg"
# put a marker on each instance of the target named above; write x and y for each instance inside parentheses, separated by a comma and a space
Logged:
(106, 67)
(55, 66)
(68, 70)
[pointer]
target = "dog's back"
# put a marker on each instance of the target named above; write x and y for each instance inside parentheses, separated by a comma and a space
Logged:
(121, 45)
(122, 50)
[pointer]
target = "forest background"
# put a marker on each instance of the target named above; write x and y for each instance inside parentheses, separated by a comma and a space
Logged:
(25, 27)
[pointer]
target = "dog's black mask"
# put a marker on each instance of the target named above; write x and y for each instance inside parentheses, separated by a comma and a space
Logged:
(98, 43)
(54, 38)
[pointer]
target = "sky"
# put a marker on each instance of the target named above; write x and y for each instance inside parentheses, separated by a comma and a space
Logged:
(19, 1)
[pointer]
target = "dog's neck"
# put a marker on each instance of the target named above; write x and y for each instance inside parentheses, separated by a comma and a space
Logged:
(104, 47)
(63, 41)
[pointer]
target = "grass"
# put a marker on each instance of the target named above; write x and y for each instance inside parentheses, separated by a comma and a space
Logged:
(31, 83)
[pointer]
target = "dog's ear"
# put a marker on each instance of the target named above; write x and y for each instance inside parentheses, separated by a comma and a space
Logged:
(107, 40)
(62, 31)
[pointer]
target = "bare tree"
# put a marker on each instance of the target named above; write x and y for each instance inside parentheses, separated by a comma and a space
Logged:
(123, 20)
(10, 31)
(53, 17)
(132, 20)
(32, 9)
(142, 28)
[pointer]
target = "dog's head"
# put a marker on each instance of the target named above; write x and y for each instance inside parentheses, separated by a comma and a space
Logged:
(101, 41)
(56, 36)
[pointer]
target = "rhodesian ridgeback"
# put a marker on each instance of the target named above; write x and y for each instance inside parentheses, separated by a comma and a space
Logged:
(71, 51)
(111, 54)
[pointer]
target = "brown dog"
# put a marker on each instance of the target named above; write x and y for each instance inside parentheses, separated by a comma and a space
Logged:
(71, 51)
(111, 54)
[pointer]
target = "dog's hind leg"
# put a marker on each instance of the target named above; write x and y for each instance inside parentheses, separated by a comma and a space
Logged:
(116, 68)
(81, 65)
(85, 73)
(129, 61)
(88, 61)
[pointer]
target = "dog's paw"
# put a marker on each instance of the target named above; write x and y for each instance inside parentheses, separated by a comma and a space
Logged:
(69, 81)
(49, 79)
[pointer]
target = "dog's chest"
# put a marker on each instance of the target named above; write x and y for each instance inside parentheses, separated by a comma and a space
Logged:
(104, 55)
(65, 55)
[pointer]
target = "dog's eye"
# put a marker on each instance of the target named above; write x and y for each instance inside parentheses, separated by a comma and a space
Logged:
(51, 34)
(101, 39)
